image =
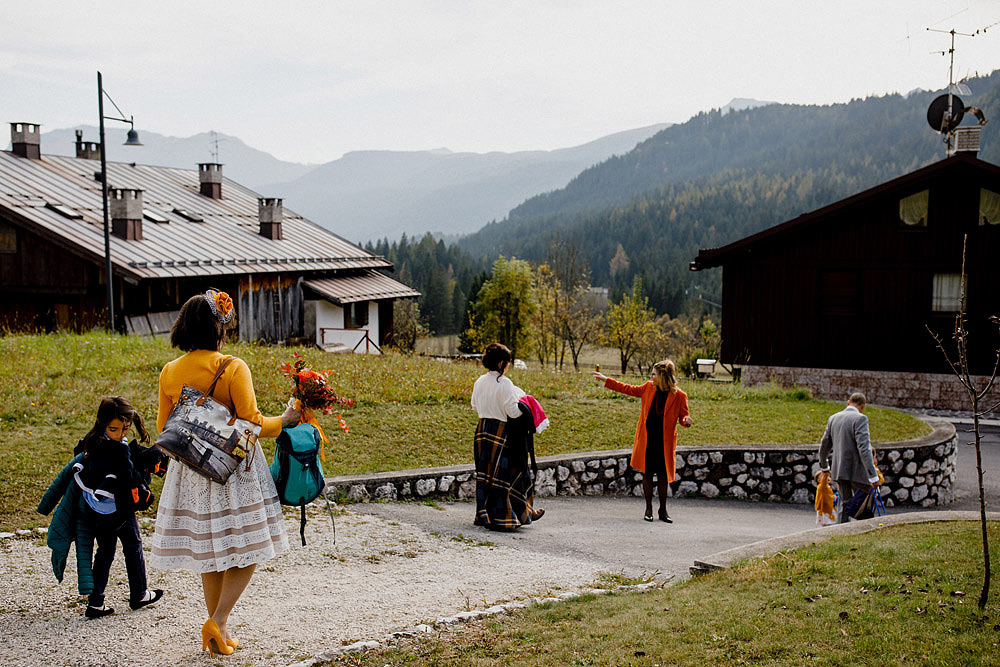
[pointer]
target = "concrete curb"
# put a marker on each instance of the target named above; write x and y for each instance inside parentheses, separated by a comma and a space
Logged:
(464, 617)
(724, 559)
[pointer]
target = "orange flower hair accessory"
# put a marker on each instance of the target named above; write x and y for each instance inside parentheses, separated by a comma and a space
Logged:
(221, 305)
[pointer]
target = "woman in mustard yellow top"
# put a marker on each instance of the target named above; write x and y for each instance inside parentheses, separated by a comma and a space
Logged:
(663, 405)
(221, 531)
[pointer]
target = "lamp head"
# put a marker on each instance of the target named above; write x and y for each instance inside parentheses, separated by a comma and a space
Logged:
(132, 139)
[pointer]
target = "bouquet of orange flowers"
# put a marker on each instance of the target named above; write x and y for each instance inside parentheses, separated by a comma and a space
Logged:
(313, 392)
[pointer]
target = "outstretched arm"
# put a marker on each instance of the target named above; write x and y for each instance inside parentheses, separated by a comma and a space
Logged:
(615, 385)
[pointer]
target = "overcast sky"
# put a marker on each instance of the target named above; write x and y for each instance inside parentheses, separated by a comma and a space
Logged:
(309, 81)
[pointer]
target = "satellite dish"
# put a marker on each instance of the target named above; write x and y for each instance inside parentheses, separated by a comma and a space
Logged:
(937, 113)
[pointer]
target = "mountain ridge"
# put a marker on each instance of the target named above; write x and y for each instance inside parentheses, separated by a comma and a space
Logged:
(366, 195)
(241, 162)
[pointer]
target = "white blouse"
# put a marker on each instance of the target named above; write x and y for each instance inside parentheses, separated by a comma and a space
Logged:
(496, 400)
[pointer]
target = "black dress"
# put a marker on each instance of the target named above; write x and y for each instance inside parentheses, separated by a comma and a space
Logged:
(655, 463)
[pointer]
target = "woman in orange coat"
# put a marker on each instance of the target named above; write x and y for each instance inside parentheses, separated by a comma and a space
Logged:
(663, 406)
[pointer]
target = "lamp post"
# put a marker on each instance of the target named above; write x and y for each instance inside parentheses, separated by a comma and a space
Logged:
(131, 140)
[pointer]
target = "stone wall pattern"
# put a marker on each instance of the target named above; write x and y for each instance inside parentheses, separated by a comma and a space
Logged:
(918, 472)
(932, 391)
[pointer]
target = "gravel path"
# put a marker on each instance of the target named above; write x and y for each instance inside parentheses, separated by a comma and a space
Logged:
(381, 576)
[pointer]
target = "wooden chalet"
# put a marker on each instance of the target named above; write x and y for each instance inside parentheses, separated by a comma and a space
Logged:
(175, 232)
(853, 286)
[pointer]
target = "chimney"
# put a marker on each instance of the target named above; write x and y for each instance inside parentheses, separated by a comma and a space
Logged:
(88, 150)
(210, 177)
(126, 213)
(270, 214)
(26, 140)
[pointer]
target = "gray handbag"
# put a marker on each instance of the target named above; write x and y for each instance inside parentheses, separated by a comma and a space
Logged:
(204, 435)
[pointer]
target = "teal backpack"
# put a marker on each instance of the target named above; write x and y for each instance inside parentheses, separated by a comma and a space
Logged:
(298, 472)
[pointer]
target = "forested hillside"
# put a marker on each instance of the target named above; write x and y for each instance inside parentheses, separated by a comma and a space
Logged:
(717, 178)
(705, 183)
(891, 131)
(442, 273)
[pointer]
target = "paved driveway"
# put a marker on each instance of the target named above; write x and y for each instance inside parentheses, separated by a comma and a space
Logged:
(967, 492)
(610, 533)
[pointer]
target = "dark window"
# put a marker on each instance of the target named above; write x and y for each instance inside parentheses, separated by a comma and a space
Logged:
(360, 317)
(8, 239)
(356, 315)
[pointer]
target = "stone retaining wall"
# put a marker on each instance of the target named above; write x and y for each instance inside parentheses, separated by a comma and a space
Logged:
(933, 391)
(918, 472)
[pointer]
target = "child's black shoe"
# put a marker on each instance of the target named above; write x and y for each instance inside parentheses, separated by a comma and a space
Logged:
(149, 598)
(98, 612)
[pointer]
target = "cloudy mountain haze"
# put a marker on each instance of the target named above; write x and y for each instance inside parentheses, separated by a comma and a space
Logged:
(366, 195)
(310, 82)
(242, 163)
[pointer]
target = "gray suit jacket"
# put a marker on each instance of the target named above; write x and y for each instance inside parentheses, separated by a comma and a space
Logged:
(846, 437)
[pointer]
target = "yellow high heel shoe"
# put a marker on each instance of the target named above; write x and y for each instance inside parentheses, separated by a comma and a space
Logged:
(209, 632)
(233, 641)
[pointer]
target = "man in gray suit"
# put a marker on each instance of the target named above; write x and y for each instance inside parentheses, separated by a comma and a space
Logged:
(846, 437)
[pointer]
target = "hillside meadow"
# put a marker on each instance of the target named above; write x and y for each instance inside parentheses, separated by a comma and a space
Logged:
(410, 412)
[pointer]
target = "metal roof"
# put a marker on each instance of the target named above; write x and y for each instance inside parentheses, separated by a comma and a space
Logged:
(712, 257)
(366, 286)
(49, 193)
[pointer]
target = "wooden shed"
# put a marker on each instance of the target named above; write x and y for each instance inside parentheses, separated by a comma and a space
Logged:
(854, 285)
(175, 232)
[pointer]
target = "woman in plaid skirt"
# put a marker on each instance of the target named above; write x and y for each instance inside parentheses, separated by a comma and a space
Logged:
(504, 488)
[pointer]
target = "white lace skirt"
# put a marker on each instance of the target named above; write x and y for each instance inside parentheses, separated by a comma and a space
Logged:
(204, 526)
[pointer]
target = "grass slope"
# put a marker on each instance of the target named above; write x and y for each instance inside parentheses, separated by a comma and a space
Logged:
(899, 595)
(411, 412)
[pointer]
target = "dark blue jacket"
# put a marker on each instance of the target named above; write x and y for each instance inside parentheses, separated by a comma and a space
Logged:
(121, 470)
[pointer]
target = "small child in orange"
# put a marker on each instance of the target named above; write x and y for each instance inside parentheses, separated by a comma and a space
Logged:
(826, 500)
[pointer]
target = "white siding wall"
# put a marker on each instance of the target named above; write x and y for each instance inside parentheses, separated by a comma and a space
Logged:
(329, 315)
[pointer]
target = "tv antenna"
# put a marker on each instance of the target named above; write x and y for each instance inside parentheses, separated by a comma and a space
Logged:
(947, 111)
(215, 147)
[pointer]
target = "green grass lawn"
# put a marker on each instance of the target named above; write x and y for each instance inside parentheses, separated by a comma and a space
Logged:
(411, 412)
(900, 595)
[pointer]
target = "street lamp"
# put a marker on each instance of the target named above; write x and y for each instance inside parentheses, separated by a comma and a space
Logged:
(131, 140)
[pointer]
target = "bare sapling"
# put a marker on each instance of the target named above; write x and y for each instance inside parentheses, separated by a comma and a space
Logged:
(977, 398)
